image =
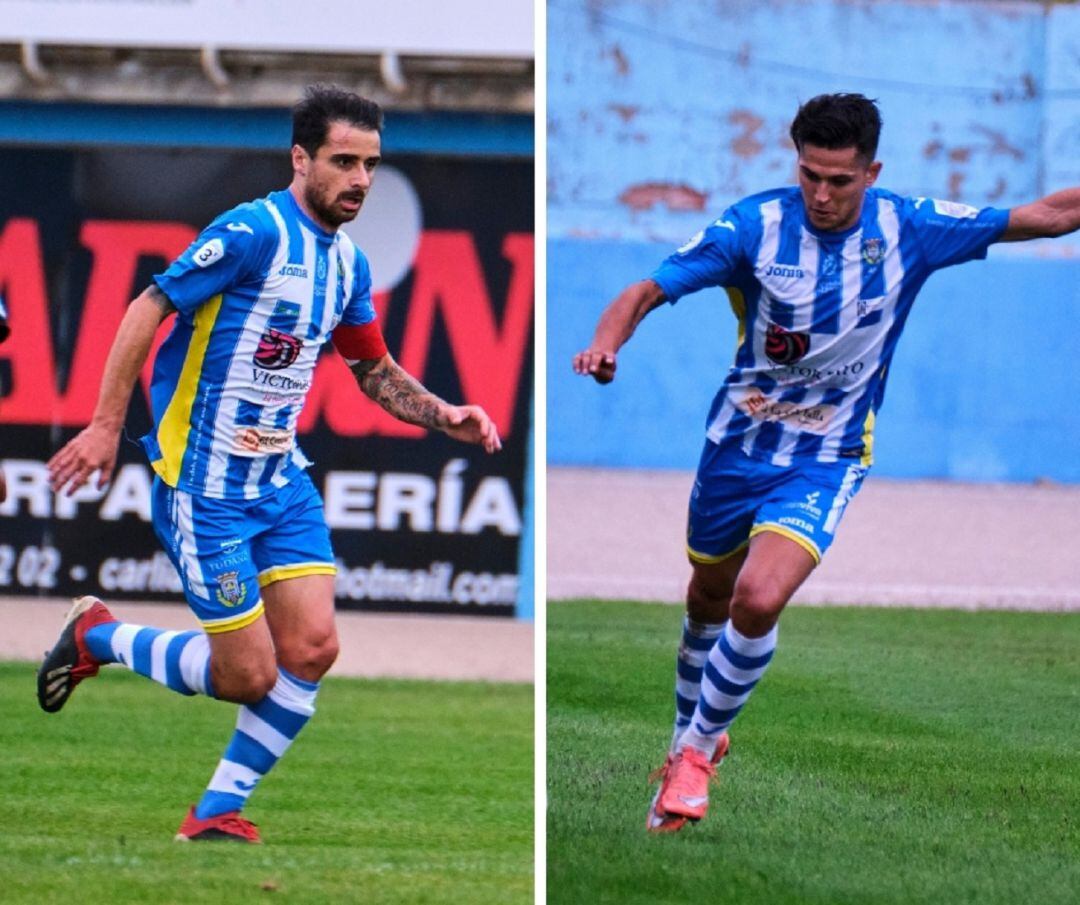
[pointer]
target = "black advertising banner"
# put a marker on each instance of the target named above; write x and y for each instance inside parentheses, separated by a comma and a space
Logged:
(419, 522)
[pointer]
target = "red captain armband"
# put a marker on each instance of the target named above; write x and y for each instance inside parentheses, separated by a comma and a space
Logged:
(363, 343)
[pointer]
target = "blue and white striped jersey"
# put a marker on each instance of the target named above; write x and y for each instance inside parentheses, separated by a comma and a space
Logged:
(257, 295)
(819, 312)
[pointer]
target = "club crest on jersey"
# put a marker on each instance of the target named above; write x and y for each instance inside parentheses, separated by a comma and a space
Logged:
(873, 251)
(230, 592)
(276, 350)
(785, 347)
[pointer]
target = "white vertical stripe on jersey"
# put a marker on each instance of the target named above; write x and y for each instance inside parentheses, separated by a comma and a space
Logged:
(893, 273)
(809, 255)
(851, 288)
(239, 371)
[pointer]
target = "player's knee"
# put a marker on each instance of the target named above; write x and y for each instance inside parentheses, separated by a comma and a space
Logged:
(310, 658)
(245, 685)
(704, 604)
(756, 604)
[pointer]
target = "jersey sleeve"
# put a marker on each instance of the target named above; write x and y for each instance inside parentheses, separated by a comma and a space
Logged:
(710, 258)
(950, 233)
(359, 309)
(232, 250)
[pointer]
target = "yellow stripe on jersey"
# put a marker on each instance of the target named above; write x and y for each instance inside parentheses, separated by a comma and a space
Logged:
(738, 305)
(172, 434)
(868, 439)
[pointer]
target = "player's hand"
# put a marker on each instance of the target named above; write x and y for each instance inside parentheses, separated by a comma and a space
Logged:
(471, 424)
(599, 365)
(88, 451)
(3, 486)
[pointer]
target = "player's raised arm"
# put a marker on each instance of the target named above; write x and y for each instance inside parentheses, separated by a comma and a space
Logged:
(95, 447)
(615, 327)
(1049, 217)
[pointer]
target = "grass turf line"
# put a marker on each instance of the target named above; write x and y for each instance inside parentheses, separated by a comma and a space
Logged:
(888, 756)
(396, 791)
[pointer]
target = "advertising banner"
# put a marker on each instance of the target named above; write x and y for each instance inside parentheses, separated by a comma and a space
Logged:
(419, 522)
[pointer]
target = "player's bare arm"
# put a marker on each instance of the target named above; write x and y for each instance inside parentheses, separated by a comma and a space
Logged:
(95, 447)
(403, 396)
(1049, 217)
(616, 325)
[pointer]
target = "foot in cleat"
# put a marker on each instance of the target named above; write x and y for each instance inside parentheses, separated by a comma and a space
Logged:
(69, 661)
(662, 821)
(230, 827)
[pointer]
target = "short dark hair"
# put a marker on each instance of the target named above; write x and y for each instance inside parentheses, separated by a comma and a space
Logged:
(838, 121)
(324, 104)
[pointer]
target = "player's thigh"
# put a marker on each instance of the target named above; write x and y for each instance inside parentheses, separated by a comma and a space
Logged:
(774, 568)
(243, 664)
(296, 573)
(300, 611)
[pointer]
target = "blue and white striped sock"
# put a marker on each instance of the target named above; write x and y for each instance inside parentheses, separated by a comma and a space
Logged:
(698, 638)
(735, 665)
(263, 733)
(178, 660)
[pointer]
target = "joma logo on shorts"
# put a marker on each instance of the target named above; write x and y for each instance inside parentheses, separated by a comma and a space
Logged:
(776, 270)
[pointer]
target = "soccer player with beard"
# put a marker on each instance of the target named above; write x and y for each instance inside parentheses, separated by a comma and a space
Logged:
(255, 297)
(821, 277)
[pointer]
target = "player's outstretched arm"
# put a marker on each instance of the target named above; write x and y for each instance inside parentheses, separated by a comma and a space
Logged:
(404, 397)
(95, 447)
(1049, 217)
(615, 327)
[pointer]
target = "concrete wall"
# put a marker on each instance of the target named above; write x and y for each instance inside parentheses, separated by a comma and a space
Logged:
(662, 113)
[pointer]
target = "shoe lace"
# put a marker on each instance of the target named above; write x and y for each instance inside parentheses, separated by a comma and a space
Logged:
(660, 772)
(687, 773)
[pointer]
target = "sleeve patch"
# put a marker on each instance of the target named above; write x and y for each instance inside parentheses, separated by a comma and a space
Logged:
(212, 251)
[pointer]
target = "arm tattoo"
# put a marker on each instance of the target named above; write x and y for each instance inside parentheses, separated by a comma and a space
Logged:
(384, 381)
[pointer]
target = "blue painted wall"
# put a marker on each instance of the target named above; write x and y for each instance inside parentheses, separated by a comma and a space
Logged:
(662, 113)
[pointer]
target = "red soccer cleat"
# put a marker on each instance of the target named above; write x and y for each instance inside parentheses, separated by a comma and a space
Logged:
(69, 661)
(660, 820)
(228, 827)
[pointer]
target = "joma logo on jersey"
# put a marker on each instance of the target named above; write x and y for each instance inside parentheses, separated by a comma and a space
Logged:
(778, 270)
(293, 270)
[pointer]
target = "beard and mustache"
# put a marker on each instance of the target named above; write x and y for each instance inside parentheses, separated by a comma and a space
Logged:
(328, 212)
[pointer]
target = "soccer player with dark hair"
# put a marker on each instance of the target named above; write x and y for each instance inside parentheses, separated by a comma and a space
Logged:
(821, 277)
(255, 297)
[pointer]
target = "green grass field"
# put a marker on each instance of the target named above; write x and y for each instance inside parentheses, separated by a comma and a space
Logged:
(888, 756)
(409, 792)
